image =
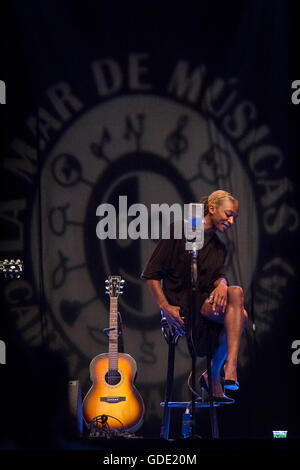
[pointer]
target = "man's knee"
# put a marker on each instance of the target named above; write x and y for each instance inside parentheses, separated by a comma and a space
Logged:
(235, 294)
(245, 318)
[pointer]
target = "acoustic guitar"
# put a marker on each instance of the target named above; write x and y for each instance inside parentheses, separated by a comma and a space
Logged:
(113, 396)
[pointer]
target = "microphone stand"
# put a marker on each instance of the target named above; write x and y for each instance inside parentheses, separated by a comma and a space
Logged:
(195, 241)
(194, 307)
(194, 278)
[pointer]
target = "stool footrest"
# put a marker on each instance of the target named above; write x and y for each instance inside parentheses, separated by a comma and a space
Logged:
(183, 404)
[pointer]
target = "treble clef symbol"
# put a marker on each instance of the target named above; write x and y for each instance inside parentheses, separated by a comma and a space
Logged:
(177, 142)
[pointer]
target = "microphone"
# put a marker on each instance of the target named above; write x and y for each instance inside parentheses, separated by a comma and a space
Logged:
(194, 226)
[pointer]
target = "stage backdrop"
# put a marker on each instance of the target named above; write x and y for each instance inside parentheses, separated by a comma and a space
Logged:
(163, 106)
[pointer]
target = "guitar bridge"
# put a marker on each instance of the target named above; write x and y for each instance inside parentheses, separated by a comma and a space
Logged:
(112, 399)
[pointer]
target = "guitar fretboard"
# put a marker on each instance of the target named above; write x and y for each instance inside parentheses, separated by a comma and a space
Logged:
(113, 335)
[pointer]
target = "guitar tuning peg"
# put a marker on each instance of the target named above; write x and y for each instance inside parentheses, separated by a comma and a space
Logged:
(106, 282)
(122, 282)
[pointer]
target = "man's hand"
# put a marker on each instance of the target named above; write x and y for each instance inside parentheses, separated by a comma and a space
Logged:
(170, 312)
(218, 298)
(172, 315)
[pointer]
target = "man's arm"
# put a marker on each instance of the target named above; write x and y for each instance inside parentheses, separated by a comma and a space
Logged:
(221, 280)
(170, 312)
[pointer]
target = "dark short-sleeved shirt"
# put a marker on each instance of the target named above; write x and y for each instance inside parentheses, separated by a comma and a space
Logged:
(171, 263)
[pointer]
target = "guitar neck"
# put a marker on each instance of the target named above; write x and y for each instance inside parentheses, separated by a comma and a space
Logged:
(113, 334)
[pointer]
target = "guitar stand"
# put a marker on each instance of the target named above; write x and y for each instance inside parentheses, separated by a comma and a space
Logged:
(172, 339)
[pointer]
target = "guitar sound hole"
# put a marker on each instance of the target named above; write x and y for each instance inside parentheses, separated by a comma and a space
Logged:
(112, 377)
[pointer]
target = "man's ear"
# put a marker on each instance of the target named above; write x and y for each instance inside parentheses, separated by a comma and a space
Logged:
(211, 209)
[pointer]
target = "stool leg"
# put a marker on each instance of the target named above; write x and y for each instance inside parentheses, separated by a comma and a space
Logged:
(193, 395)
(164, 433)
(212, 409)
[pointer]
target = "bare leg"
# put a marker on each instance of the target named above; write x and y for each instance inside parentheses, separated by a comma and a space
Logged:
(233, 321)
(229, 341)
(216, 365)
(219, 356)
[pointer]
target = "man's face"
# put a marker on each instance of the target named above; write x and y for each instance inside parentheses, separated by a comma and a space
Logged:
(224, 216)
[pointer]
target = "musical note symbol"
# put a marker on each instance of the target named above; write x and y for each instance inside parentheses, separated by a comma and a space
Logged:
(62, 269)
(177, 142)
(58, 220)
(98, 148)
(214, 165)
(67, 171)
(70, 310)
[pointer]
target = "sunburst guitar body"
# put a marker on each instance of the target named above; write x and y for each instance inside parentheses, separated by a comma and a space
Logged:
(113, 394)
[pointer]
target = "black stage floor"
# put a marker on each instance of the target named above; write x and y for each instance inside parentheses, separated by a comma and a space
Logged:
(137, 452)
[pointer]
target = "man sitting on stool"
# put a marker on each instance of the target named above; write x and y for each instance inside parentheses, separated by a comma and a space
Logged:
(221, 307)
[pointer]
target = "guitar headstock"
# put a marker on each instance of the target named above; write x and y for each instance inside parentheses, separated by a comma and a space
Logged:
(11, 268)
(114, 286)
